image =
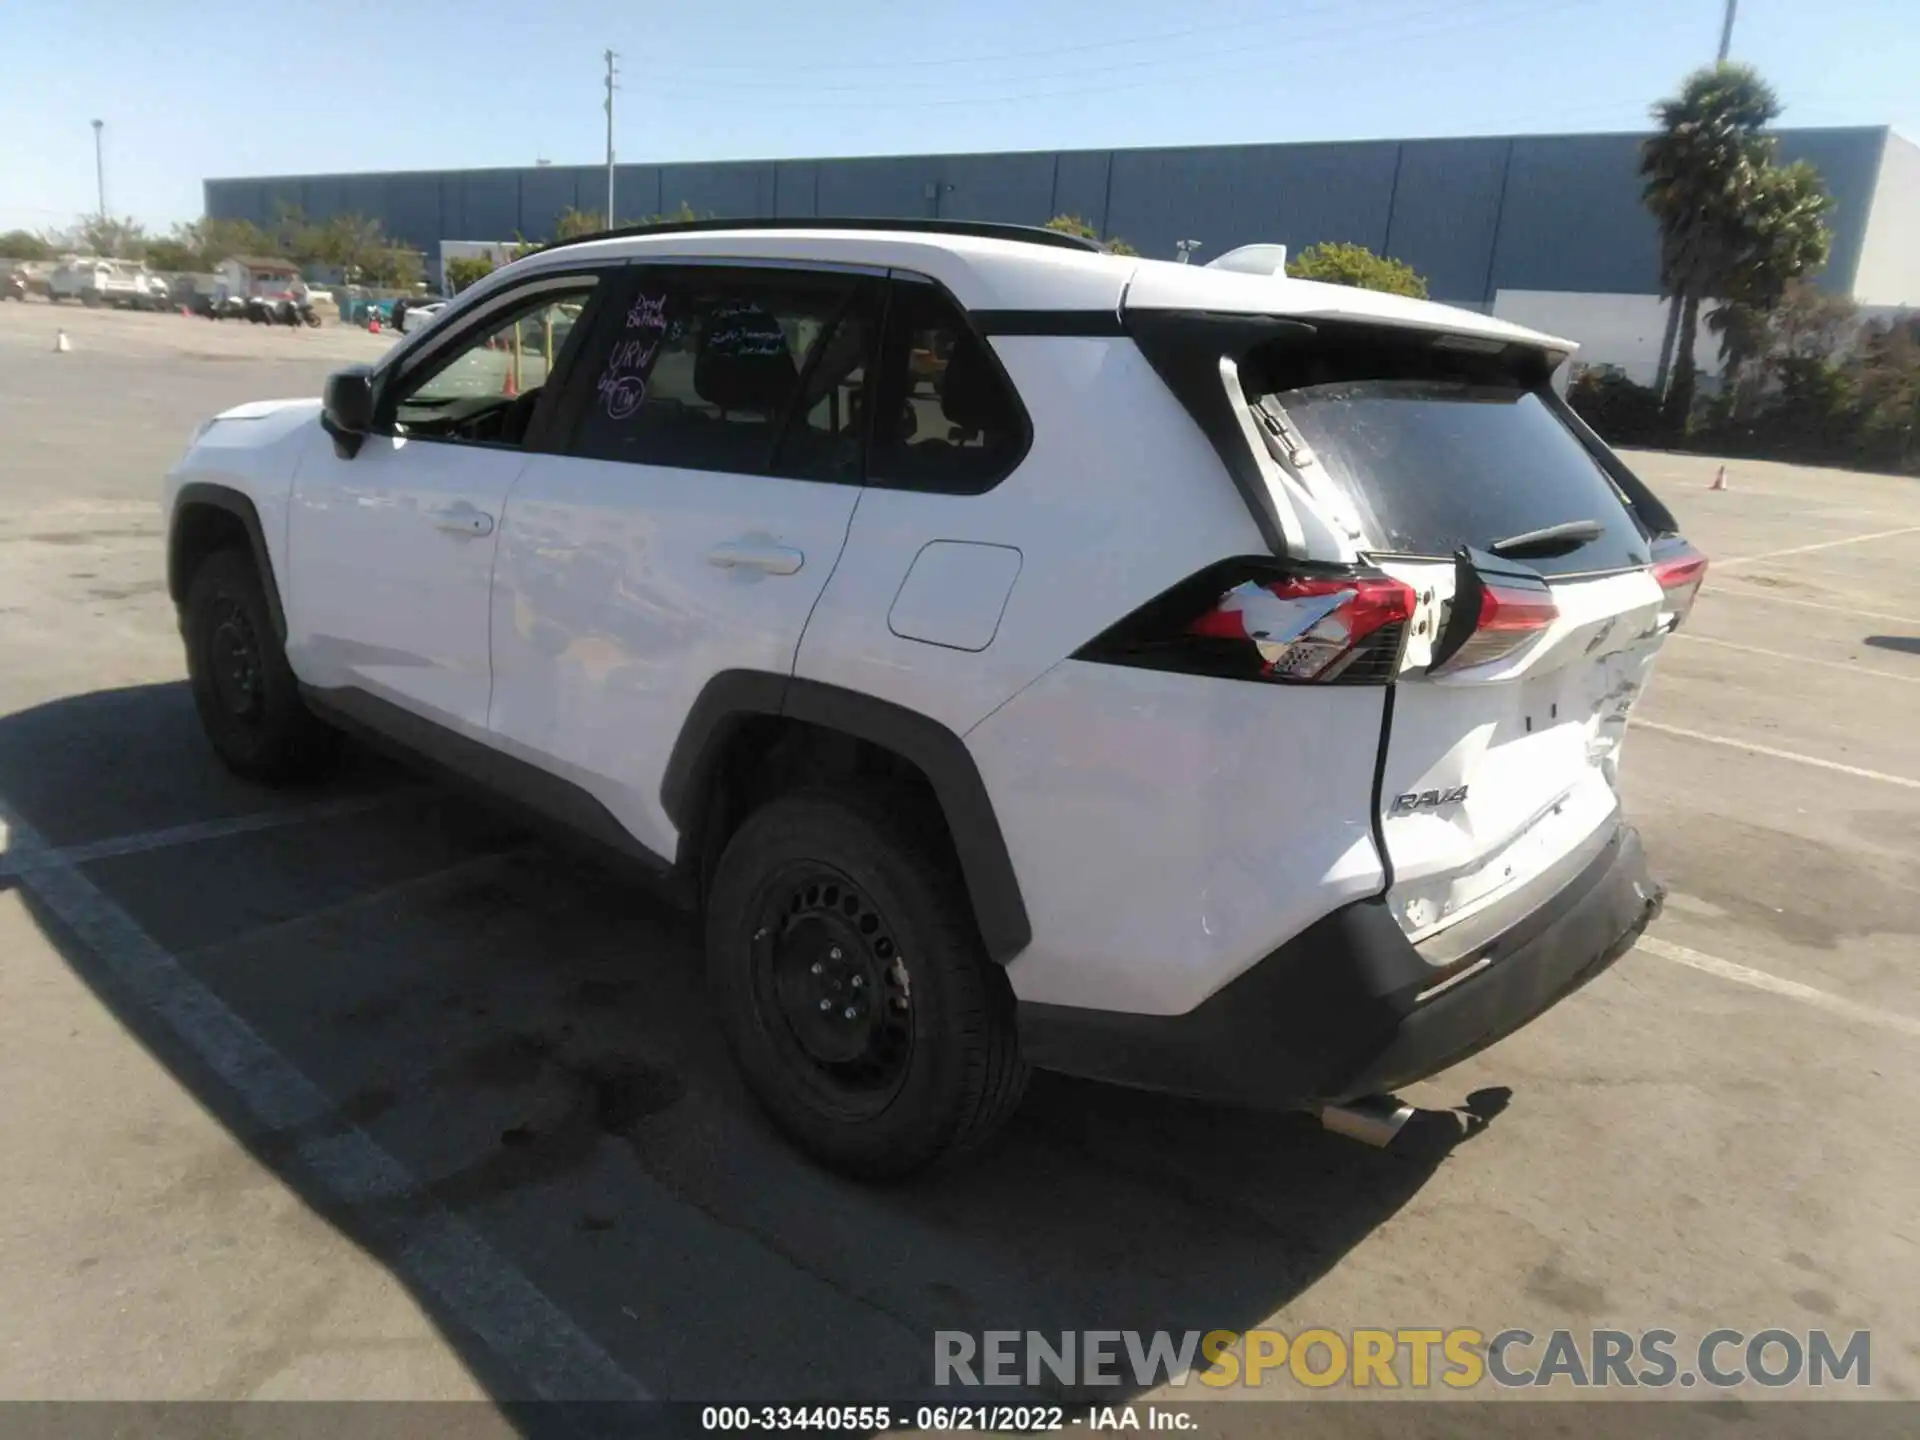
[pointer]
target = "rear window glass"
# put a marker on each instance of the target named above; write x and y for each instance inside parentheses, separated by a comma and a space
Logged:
(1437, 464)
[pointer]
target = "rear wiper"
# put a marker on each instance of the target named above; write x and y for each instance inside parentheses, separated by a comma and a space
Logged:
(1552, 540)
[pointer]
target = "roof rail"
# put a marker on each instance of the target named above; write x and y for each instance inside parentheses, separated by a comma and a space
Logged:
(978, 229)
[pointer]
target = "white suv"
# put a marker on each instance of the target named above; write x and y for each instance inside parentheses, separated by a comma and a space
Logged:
(1203, 680)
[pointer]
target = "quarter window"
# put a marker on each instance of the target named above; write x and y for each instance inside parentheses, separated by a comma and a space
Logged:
(946, 419)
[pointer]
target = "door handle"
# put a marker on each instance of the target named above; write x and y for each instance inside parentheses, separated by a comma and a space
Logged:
(772, 559)
(463, 520)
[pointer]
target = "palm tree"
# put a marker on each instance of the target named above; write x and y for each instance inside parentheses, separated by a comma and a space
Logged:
(1703, 170)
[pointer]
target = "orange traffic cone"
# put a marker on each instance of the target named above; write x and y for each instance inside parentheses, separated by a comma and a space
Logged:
(507, 386)
(1719, 479)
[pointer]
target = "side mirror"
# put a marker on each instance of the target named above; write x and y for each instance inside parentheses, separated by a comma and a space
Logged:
(346, 411)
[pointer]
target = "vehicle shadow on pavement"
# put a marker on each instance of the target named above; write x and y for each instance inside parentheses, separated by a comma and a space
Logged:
(526, 1035)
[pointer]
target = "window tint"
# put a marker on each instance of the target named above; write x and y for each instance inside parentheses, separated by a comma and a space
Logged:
(750, 373)
(945, 418)
(485, 388)
(1442, 463)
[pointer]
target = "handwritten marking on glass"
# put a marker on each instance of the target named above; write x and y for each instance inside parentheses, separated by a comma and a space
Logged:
(623, 382)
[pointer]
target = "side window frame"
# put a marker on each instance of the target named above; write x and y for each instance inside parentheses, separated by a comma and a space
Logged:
(865, 283)
(485, 317)
(885, 357)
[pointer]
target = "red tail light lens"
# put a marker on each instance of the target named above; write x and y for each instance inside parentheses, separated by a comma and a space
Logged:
(1681, 572)
(1243, 622)
(1492, 616)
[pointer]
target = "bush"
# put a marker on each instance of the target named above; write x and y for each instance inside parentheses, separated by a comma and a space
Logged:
(465, 270)
(1074, 225)
(1339, 263)
(1620, 412)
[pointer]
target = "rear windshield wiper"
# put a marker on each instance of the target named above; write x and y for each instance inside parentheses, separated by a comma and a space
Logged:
(1552, 540)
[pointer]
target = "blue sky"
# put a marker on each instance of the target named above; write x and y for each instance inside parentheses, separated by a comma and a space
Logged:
(220, 87)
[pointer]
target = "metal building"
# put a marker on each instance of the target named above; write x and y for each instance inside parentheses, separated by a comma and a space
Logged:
(1477, 217)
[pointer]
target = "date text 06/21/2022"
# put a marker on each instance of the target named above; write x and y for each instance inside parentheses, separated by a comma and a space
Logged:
(939, 1419)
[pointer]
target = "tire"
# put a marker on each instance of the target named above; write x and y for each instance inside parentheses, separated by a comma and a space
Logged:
(245, 692)
(925, 1074)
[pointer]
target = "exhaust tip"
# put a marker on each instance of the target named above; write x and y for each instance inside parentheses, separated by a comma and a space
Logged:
(1372, 1120)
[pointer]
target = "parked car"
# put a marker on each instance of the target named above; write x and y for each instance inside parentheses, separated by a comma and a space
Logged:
(1206, 681)
(94, 282)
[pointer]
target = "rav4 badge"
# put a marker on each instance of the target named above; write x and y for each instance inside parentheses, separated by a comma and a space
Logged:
(1427, 800)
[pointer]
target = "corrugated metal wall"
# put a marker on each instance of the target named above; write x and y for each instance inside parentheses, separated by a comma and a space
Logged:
(1539, 212)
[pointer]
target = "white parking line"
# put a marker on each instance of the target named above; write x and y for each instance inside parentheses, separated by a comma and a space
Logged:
(554, 1357)
(1778, 985)
(1818, 545)
(1721, 591)
(17, 858)
(1851, 669)
(1733, 744)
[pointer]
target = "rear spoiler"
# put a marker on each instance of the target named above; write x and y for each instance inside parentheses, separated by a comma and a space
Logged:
(1198, 354)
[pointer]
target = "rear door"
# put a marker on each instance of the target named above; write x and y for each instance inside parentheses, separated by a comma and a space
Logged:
(1542, 600)
(713, 461)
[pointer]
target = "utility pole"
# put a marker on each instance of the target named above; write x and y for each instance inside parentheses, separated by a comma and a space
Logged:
(612, 74)
(100, 166)
(1726, 30)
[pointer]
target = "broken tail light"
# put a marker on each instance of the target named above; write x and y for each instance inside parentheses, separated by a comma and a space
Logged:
(1498, 609)
(1246, 620)
(1681, 570)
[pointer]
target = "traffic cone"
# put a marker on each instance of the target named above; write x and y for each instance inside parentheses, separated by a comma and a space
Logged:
(507, 387)
(61, 345)
(1719, 479)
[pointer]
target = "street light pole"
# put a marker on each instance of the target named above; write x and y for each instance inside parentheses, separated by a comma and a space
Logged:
(611, 57)
(1726, 30)
(100, 167)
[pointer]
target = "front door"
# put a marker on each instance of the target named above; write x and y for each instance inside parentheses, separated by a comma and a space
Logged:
(392, 549)
(700, 504)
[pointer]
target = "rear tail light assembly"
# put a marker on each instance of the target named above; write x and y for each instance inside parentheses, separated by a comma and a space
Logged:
(1497, 610)
(1681, 570)
(1252, 620)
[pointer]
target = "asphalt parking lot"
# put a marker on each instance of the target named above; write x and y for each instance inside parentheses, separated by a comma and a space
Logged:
(364, 1092)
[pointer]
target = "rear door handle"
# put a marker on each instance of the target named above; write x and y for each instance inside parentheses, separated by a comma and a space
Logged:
(741, 555)
(463, 520)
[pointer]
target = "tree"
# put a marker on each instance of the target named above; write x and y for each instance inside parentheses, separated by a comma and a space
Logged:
(215, 240)
(1733, 224)
(465, 270)
(120, 236)
(1341, 263)
(1074, 225)
(574, 222)
(172, 254)
(347, 242)
(394, 268)
(24, 245)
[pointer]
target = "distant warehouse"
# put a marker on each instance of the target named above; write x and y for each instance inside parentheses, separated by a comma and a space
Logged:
(1491, 222)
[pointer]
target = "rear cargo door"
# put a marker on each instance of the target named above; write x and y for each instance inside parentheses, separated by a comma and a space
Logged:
(1541, 605)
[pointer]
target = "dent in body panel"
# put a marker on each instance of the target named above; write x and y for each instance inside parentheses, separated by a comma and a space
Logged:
(1170, 830)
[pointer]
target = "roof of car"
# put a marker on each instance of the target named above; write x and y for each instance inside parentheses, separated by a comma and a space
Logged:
(1001, 268)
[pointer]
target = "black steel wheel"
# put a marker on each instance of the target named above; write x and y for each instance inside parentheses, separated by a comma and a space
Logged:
(245, 692)
(862, 1008)
(828, 970)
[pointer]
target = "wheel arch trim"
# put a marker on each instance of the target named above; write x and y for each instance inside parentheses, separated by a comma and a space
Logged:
(733, 697)
(196, 493)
